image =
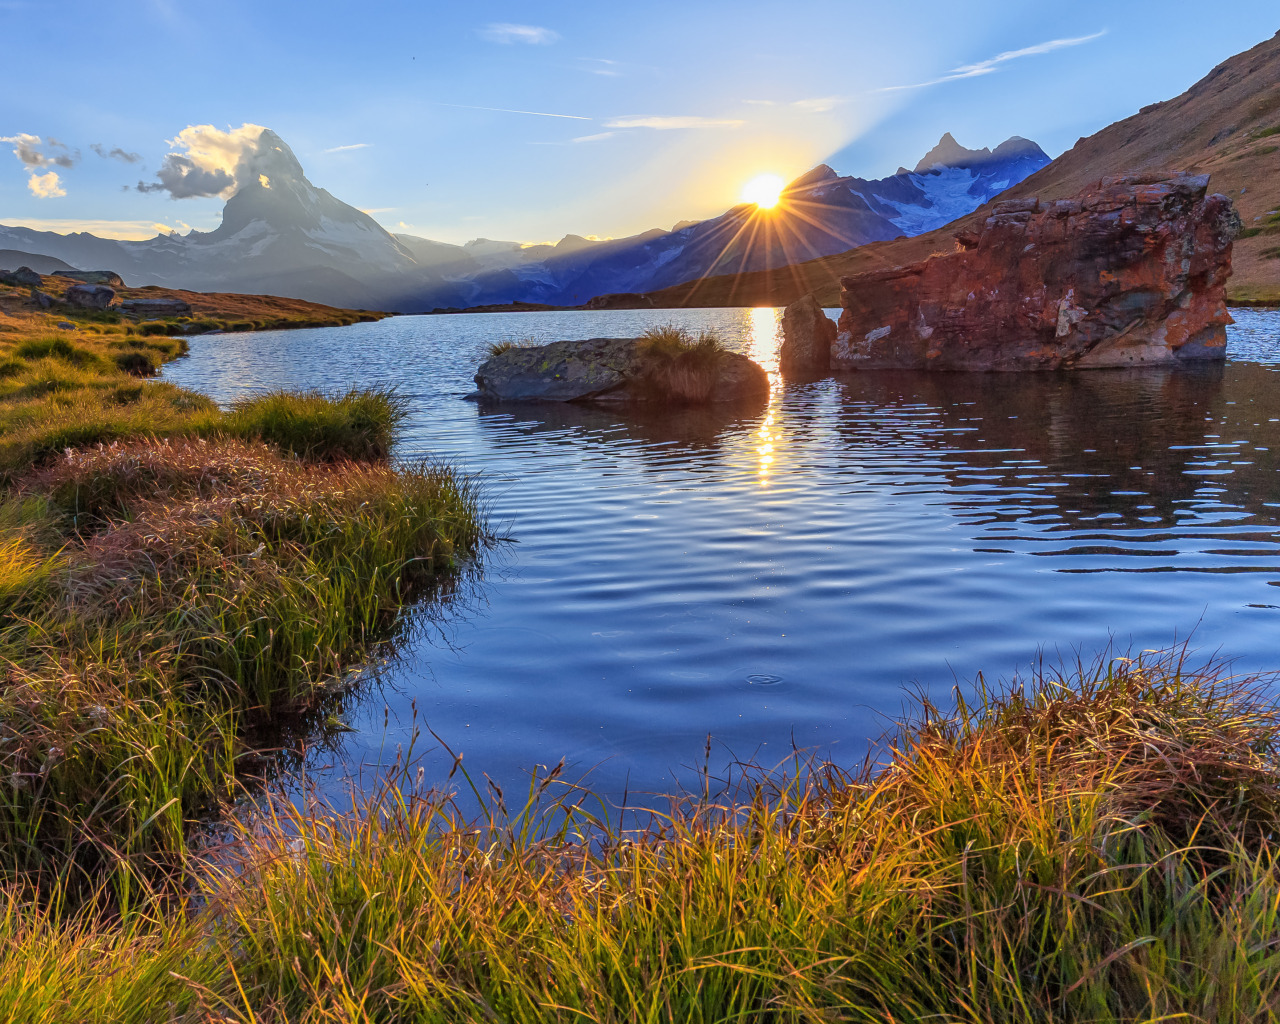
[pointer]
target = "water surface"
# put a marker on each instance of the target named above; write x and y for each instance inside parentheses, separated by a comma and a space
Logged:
(784, 574)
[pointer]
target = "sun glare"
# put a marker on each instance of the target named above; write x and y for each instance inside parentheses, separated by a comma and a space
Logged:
(764, 190)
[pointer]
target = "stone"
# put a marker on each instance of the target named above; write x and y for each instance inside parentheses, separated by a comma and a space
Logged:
(90, 296)
(604, 370)
(66, 325)
(108, 277)
(24, 277)
(807, 336)
(149, 308)
(1131, 271)
(41, 299)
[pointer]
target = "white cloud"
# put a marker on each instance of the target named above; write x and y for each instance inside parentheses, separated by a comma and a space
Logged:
(670, 123)
(504, 32)
(27, 149)
(214, 162)
(46, 186)
(991, 64)
(347, 149)
(595, 138)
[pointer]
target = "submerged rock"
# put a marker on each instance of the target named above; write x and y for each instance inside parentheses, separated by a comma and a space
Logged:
(807, 336)
(1131, 271)
(609, 370)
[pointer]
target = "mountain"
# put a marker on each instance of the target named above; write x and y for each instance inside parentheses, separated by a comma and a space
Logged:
(820, 213)
(282, 235)
(1227, 125)
(279, 234)
(12, 259)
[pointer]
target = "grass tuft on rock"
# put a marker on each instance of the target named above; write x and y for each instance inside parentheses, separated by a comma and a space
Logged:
(678, 365)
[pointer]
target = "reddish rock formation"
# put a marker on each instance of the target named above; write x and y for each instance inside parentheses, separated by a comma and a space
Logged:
(1133, 270)
(807, 336)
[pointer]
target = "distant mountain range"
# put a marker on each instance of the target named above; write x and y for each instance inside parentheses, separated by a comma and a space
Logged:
(281, 235)
(1227, 125)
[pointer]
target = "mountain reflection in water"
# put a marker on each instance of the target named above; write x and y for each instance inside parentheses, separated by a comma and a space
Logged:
(781, 573)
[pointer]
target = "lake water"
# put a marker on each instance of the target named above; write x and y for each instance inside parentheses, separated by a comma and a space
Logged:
(787, 574)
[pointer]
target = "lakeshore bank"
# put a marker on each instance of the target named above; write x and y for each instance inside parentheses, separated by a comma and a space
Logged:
(1097, 844)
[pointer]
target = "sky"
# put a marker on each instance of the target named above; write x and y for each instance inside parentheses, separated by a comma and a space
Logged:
(527, 121)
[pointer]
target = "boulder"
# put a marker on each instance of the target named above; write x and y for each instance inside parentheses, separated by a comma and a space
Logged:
(807, 336)
(1131, 271)
(610, 370)
(90, 296)
(108, 277)
(24, 277)
(66, 325)
(41, 299)
(150, 308)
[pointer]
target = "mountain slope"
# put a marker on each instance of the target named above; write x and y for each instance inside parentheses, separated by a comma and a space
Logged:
(1226, 125)
(820, 213)
(279, 232)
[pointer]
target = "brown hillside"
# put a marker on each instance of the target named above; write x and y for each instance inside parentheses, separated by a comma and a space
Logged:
(1226, 125)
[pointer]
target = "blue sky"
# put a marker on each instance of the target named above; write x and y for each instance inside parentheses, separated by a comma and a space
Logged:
(667, 108)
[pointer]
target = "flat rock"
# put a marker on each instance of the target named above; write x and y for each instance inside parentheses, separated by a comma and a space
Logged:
(602, 370)
(1131, 271)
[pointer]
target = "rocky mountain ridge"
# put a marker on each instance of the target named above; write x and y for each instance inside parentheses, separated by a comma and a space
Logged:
(282, 235)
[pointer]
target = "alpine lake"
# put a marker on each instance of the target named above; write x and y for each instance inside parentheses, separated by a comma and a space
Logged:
(680, 591)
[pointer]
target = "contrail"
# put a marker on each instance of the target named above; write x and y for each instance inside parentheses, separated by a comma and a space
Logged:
(505, 110)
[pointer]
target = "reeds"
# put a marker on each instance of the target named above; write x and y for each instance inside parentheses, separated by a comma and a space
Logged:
(678, 366)
(1093, 847)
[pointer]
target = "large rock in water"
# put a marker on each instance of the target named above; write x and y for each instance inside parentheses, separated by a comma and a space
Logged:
(1131, 271)
(807, 336)
(609, 370)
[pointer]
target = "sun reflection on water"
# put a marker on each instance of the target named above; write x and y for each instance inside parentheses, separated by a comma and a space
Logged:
(765, 339)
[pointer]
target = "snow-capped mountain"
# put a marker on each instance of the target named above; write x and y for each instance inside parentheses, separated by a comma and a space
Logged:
(821, 213)
(279, 235)
(282, 235)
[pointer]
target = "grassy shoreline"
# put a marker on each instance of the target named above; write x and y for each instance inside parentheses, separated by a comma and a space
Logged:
(174, 574)
(1094, 846)
(1099, 844)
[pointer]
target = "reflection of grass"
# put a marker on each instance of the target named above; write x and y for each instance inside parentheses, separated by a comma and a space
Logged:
(679, 366)
(1100, 846)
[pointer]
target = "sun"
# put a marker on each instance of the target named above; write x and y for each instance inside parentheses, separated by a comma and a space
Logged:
(764, 190)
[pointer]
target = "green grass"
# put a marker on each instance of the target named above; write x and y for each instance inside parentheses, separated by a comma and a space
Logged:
(678, 365)
(362, 423)
(1095, 846)
(170, 575)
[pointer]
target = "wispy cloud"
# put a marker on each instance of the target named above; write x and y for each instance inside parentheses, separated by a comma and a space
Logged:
(116, 153)
(607, 68)
(505, 32)
(671, 123)
(347, 149)
(992, 64)
(30, 150)
(508, 110)
(595, 138)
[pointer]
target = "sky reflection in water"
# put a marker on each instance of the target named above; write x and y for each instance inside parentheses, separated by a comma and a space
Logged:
(786, 573)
